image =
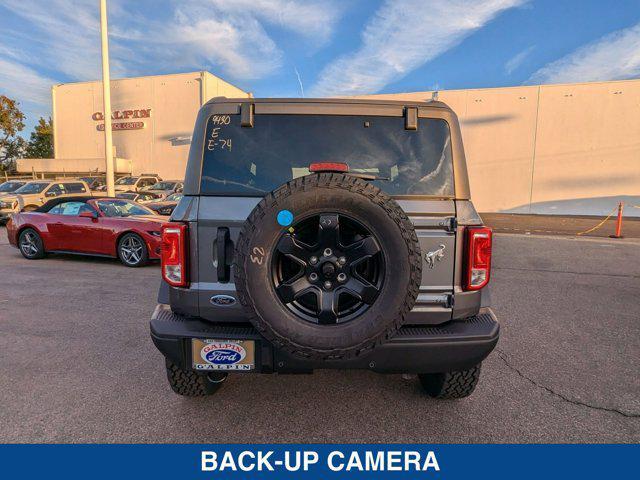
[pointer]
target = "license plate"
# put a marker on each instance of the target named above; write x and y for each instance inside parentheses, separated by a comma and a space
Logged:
(212, 354)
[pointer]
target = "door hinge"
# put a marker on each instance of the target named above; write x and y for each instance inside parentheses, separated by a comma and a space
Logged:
(223, 251)
(411, 118)
(450, 224)
(246, 115)
(449, 301)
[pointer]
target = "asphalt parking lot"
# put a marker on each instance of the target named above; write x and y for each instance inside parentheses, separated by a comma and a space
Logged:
(77, 363)
(561, 225)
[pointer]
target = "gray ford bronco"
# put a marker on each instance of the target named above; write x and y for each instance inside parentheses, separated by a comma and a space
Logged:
(317, 234)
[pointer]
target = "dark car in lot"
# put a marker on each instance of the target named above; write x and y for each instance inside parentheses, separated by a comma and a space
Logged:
(166, 206)
(106, 226)
(96, 184)
(325, 234)
(140, 197)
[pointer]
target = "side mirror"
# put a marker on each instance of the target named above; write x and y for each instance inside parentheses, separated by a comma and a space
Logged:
(92, 214)
(50, 194)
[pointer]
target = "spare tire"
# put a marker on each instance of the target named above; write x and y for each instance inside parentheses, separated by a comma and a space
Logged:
(327, 266)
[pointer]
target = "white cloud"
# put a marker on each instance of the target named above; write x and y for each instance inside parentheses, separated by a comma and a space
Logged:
(238, 45)
(231, 34)
(516, 61)
(19, 81)
(8, 52)
(32, 90)
(62, 35)
(313, 19)
(403, 35)
(613, 57)
(227, 36)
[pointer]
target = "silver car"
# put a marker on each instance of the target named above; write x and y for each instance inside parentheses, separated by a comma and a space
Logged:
(165, 188)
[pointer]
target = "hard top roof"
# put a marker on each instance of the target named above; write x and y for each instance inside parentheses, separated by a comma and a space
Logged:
(336, 100)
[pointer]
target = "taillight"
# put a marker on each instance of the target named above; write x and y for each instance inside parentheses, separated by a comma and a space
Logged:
(174, 254)
(477, 257)
(328, 167)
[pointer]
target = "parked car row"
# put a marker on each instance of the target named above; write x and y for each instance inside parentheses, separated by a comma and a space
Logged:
(25, 195)
(147, 183)
(88, 225)
(74, 216)
(33, 194)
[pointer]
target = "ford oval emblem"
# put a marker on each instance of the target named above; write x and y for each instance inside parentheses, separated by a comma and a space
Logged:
(223, 300)
(223, 356)
(223, 353)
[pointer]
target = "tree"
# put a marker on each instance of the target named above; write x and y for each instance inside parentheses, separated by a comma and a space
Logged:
(14, 149)
(11, 123)
(41, 141)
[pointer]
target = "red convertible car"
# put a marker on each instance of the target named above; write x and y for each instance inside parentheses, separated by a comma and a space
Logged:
(110, 227)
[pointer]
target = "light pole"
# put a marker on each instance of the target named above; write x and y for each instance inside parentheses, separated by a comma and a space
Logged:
(106, 97)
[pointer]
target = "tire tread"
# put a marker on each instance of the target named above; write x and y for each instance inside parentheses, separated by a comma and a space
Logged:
(451, 385)
(189, 383)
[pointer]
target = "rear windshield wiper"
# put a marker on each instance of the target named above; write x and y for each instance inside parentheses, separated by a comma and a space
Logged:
(369, 176)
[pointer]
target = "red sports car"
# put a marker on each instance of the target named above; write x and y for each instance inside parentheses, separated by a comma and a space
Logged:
(110, 227)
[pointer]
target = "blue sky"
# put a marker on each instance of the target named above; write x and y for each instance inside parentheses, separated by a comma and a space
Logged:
(321, 47)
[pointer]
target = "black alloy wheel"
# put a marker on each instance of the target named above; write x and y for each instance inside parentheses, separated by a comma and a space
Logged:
(328, 269)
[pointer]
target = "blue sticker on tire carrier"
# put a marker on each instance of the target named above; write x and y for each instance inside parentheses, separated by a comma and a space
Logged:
(285, 218)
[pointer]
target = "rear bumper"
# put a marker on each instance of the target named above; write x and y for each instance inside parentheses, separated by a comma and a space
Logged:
(456, 345)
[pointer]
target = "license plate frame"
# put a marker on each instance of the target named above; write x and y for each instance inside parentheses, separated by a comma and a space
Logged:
(223, 354)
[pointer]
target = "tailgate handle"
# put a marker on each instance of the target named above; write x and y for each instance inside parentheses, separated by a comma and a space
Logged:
(222, 263)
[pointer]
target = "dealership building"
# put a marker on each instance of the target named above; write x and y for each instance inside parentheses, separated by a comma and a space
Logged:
(571, 148)
(152, 120)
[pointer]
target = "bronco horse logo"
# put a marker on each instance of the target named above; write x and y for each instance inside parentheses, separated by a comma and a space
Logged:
(435, 256)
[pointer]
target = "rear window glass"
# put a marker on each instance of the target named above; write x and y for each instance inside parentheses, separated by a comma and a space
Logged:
(122, 208)
(10, 186)
(34, 187)
(163, 186)
(129, 196)
(254, 161)
(69, 208)
(126, 181)
(75, 188)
